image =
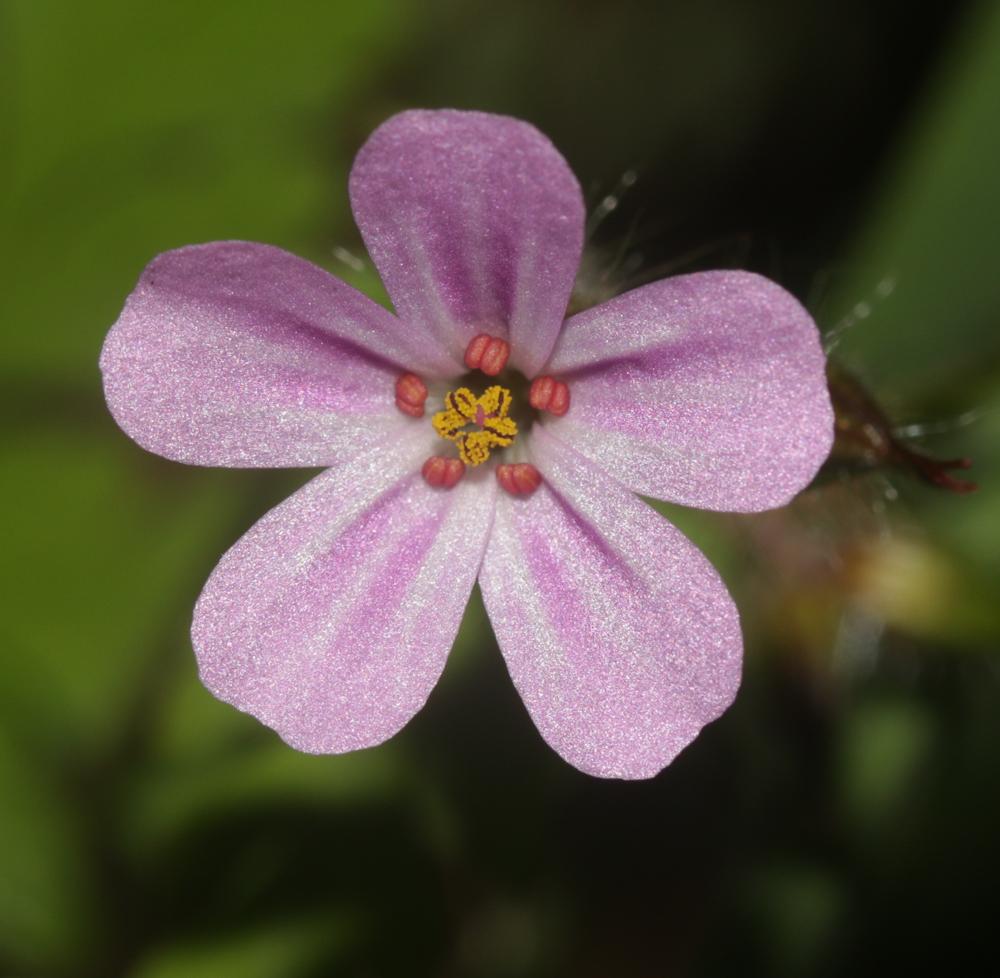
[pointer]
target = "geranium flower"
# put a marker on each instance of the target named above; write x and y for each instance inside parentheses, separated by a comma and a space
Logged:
(473, 434)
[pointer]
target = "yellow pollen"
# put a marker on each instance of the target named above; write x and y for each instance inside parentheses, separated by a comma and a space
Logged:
(476, 424)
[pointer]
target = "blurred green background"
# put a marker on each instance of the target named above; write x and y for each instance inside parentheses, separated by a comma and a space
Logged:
(840, 819)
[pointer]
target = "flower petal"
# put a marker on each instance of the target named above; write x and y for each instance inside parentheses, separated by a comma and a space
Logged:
(619, 635)
(707, 390)
(475, 223)
(331, 619)
(241, 354)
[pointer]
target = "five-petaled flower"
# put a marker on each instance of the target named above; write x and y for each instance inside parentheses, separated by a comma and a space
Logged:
(473, 434)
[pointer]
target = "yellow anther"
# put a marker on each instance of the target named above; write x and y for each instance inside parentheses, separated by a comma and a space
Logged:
(463, 402)
(476, 424)
(474, 448)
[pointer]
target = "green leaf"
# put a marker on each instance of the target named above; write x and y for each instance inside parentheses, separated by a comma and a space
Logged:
(923, 293)
(136, 129)
(103, 561)
(884, 745)
(46, 916)
(286, 948)
(166, 799)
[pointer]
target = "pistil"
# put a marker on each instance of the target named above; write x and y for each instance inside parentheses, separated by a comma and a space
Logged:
(476, 424)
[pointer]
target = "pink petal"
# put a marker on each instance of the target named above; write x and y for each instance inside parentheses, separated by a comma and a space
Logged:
(475, 223)
(331, 619)
(707, 390)
(620, 637)
(241, 354)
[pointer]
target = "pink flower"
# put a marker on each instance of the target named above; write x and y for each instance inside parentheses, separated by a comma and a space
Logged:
(331, 619)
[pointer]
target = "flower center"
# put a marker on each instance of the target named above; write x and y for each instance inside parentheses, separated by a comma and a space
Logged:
(476, 425)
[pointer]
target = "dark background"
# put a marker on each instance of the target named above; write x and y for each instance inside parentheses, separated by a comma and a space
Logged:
(839, 820)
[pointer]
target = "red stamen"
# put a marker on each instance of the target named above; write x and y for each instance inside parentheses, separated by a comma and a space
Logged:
(505, 476)
(540, 392)
(487, 353)
(548, 394)
(411, 393)
(475, 350)
(495, 358)
(443, 473)
(520, 479)
(559, 404)
(413, 410)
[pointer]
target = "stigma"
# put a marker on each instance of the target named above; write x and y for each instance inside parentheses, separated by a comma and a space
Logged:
(476, 425)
